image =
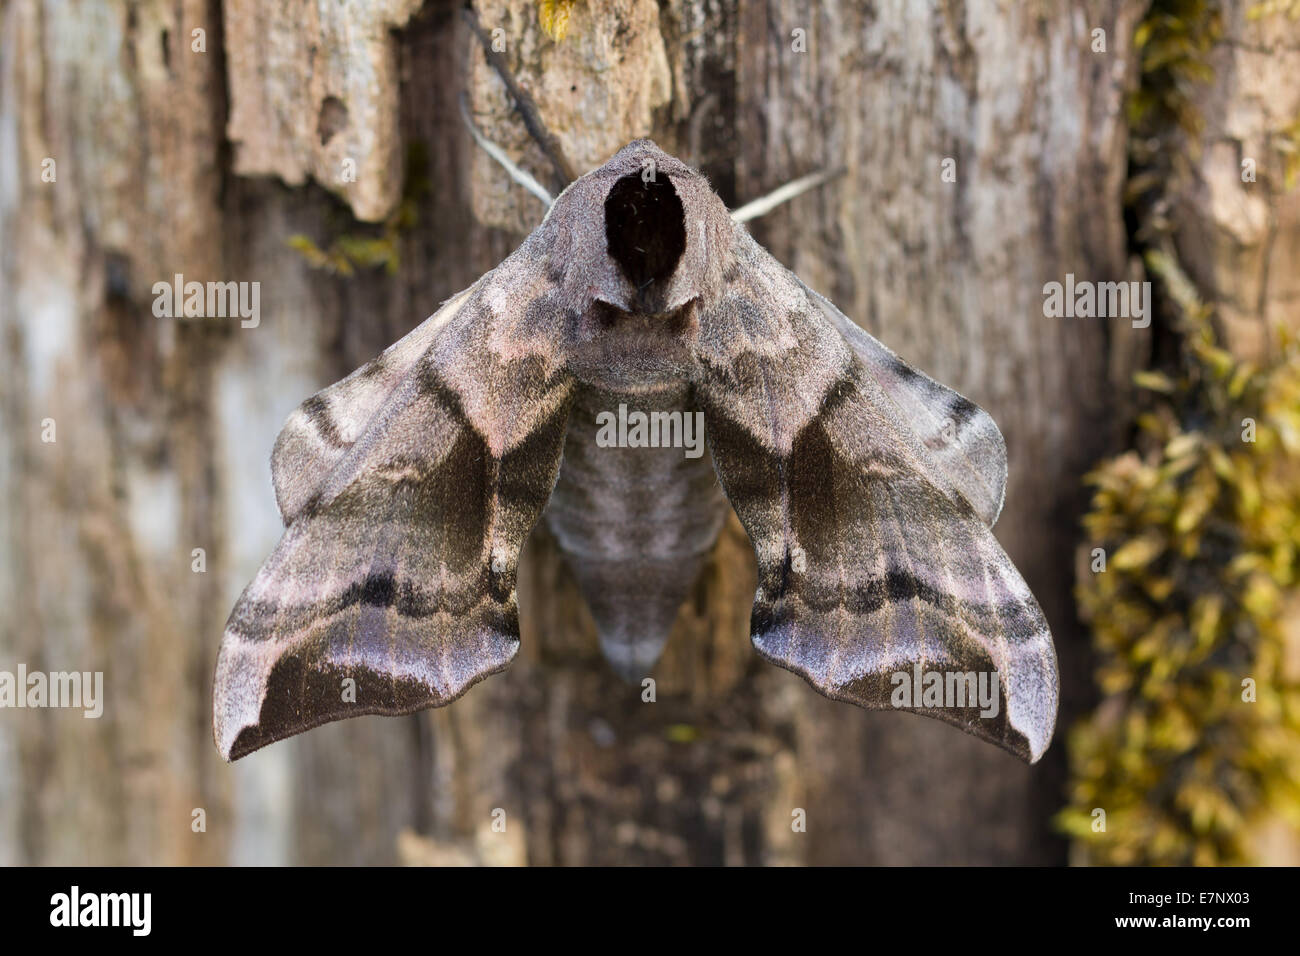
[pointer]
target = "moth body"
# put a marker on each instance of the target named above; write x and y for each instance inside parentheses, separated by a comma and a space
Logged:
(635, 520)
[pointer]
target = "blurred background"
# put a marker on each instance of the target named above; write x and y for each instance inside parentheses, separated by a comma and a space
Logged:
(990, 149)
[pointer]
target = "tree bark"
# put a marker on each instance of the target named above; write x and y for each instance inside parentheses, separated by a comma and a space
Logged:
(1235, 224)
(171, 160)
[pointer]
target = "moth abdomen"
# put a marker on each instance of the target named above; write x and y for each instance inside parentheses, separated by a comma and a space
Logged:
(635, 520)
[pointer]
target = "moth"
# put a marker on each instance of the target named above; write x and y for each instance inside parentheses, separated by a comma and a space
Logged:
(407, 489)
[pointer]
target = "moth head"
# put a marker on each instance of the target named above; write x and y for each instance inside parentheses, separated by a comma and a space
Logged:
(643, 234)
(636, 248)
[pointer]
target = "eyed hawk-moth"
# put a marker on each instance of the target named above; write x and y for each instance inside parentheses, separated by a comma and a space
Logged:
(867, 489)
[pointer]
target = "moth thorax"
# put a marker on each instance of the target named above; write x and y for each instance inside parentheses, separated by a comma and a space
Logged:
(645, 233)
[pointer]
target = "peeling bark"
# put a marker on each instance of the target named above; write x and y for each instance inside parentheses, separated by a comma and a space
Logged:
(313, 93)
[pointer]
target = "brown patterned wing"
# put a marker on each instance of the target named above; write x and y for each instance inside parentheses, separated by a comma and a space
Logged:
(408, 489)
(963, 440)
(879, 581)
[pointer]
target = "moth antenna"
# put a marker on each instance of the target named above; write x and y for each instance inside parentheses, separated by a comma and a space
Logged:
(765, 204)
(520, 176)
(523, 103)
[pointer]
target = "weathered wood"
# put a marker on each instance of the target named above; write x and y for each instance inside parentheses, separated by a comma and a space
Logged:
(1239, 240)
(313, 93)
(1236, 228)
(165, 161)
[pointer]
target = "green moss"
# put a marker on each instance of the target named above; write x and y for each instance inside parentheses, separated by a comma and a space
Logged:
(369, 247)
(1200, 525)
(1268, 8)
(1173, 42)
(1202, 532)
(554, 16)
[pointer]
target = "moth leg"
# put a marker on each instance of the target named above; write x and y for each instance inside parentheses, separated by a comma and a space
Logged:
(765, 204)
